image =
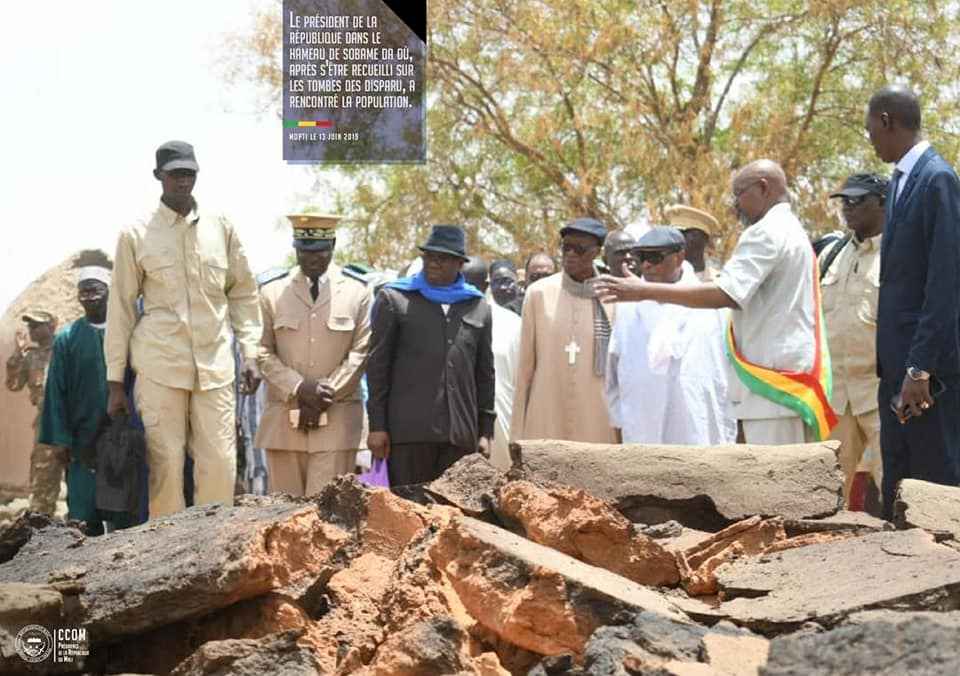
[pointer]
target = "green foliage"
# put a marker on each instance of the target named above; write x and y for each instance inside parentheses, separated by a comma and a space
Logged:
(542, 111)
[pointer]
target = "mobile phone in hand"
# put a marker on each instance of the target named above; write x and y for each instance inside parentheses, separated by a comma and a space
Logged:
(936, 389)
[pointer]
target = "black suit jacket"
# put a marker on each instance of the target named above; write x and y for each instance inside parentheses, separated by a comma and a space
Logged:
(430, 377)
(918, 316)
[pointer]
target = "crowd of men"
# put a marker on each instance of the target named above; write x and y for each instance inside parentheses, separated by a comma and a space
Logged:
(638, 337)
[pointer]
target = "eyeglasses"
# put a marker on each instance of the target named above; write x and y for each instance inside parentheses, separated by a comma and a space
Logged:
(652, 257)
(737, 193)
(851, 201)
(578, 249)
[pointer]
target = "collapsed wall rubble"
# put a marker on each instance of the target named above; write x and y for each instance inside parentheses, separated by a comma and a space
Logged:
(536, 571)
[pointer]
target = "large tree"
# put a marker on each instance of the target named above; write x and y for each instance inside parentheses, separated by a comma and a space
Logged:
(541, 111)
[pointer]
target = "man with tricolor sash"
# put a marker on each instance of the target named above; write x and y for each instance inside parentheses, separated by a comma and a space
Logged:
(778, 357)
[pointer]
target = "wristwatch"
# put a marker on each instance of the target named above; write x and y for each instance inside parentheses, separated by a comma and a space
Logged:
(916, 374)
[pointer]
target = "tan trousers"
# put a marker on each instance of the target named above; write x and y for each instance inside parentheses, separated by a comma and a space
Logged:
(47, 467)
(775, 431)
(302, 473)
(859, 437)
(175, 420)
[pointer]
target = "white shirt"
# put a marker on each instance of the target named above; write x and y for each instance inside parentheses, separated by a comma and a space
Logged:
(666, 380)
(907, 163)
(770, 276)
(505, 342)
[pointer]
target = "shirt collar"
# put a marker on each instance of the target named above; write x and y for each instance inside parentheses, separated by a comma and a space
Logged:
(908, 161)
(869, 244)
(170, 216)
(321, 280)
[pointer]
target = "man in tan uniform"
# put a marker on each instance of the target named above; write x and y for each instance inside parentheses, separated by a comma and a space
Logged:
(197, 289)
(316, 332)
(850, 282)
(698, 228)
(27, 367)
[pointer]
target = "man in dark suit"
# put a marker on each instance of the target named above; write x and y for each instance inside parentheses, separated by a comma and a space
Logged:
(918, 349)
(430, 373)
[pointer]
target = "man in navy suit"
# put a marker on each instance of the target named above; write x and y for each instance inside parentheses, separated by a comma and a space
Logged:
(918, 350)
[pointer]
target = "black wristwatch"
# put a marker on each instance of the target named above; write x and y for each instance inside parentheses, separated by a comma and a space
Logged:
(916, 374)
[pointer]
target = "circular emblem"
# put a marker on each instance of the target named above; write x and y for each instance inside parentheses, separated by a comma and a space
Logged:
(34, 643)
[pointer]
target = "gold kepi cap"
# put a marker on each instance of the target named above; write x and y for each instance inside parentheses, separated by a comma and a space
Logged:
(314, 232)
(683, 217)
(38, 316)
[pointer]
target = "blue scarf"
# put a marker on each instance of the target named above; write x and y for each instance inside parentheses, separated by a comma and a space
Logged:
(457, 292)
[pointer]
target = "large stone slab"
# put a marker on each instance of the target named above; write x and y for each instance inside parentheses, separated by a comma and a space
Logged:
(698, 564)
(579, 525)
(935, 508)
(879, 643)
(826, 582)
(701, 487)
(178, 567)
(436, 646)
(651, 644)
(470, 485)
(276, 654)
(23, 604)
(533, 596)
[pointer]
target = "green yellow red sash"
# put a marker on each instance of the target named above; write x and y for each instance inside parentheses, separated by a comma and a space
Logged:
(806, 393)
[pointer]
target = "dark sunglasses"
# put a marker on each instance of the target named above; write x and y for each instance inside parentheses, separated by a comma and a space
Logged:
(652, 257)
(578, 249)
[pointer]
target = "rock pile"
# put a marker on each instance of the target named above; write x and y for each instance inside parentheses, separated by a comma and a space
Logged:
(539, 571)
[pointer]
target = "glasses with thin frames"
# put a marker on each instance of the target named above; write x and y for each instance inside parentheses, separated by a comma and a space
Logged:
(735, 198)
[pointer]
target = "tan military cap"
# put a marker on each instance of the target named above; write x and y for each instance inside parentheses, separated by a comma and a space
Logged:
(314, 232)
(38, 316)
(682, 216)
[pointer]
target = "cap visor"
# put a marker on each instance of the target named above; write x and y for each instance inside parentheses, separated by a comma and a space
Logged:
(180, 164)
(851, 192)
(314, 244)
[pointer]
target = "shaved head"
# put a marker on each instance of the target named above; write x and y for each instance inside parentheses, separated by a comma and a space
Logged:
(767, 170)
(899, 103)
(756, 188)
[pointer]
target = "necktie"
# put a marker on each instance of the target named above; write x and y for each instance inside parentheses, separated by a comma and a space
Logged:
(895, 184)
(315, 288)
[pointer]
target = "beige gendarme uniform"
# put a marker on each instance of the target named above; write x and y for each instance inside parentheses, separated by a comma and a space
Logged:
(197, 290)
(302, 338)
(48, 464)
(850, 292)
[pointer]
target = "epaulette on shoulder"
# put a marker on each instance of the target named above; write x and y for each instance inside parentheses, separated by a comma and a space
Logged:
(357, 272)
(271, 275)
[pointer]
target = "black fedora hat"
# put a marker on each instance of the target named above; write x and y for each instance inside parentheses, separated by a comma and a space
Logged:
(448, 239)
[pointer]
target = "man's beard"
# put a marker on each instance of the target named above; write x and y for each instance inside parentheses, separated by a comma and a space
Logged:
(744, 219)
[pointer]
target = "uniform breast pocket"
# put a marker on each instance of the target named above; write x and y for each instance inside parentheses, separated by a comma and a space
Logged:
(286, 323)
(869, 294)
(160, 276)
(214, 272)
(829, 288)
(341, 323)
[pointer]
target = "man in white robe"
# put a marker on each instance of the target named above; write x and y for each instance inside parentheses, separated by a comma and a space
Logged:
(506, 351)
(666, 380)
(505, 341)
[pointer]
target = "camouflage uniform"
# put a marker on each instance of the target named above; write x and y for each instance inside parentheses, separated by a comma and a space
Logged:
(28, 367)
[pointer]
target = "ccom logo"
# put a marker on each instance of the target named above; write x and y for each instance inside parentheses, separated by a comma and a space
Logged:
(34, 643)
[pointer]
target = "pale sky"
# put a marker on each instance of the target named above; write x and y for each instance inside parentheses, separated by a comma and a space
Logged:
(90, 89)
